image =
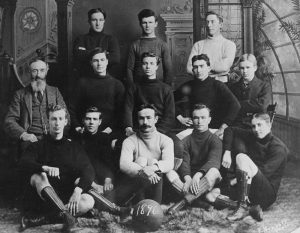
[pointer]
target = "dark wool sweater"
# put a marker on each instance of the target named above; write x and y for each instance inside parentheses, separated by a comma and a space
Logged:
(253, 98)
(269, 154)
(202, 151)
(64, 154)
(151, 91)
(99, 151)
(106, 93)
(90, 41)
(134, 64)
(214, 94)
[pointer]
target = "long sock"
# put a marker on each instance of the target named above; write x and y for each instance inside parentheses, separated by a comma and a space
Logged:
(203, 187)
(243, 186)
(189, 198)
(50, 195)
(107, 203)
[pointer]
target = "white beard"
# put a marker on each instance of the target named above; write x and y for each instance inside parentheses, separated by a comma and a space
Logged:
(38, 85)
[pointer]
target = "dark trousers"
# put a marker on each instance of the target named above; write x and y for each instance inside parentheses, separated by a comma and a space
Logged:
(136, 189)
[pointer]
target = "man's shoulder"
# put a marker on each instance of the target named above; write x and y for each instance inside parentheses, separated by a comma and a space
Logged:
(227, 41)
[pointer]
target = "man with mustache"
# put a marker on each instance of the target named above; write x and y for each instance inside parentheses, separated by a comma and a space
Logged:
(26, 120)
(144, 157)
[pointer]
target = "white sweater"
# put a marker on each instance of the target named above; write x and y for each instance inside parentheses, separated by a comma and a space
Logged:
(221, 53)
(152, 146)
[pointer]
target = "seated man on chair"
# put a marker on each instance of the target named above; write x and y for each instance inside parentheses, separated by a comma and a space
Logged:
(144, 156)
(253, 93)
(201, 160)
(260, 159)
(52, 165)
(26, 120)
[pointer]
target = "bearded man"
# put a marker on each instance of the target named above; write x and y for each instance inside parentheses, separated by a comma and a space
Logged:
(26, 120)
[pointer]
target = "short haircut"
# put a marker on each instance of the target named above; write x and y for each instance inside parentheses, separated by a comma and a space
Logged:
(36, 60)
(96, 51)
(201, 106)
(203, 57)
(55, 108)
(263, 116)
(249, 57)
(216, 14)
(150, 54)
(145, 13)
(93, 109)
(145, 106)
(96, 10)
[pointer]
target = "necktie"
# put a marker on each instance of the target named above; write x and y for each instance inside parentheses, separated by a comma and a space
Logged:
(40, 97)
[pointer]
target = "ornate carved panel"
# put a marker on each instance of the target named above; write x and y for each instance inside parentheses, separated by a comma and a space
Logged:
(35, 28)
(180, 41)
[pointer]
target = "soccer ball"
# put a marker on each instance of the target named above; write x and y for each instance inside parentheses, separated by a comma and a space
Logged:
(147, 215)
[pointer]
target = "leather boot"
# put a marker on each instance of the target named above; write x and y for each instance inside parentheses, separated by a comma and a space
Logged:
(243, 190)
(70, 222)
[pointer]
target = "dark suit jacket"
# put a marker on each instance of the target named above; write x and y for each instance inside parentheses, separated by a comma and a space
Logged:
(19, 116)
(254, 98)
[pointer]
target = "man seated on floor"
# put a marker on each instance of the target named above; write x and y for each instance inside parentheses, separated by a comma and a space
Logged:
(99, 148)
(201, 160)
(144, 157)
(52, 165)
(214, 94)
(260, 159)
(151, 90)
(26, 120)
(253, 93)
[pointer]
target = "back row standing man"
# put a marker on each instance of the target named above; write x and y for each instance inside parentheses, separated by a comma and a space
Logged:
(221, 51)
(148, 42)
(84, 44)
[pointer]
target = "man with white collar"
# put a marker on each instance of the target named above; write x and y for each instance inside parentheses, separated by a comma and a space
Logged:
(254, 94)
(220, 50)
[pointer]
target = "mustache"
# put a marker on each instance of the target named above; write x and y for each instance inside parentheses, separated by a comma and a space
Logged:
(145, 126)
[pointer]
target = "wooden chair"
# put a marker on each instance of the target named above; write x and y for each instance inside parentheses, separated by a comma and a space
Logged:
(271, 110)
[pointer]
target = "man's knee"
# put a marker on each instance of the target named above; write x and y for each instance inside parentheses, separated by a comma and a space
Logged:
(86, 203)
(39, 182)
(244, 163)
(213, 176)
(38, 179)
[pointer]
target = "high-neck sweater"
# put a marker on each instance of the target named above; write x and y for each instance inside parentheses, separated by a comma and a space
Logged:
(221, 53)
(150, 91)
(64, 154)
(214, 94)
(269, 154)
(150, 146)
(99, 150)
(155, 45)
(104, 92)
(202, 151)
(90, 41)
